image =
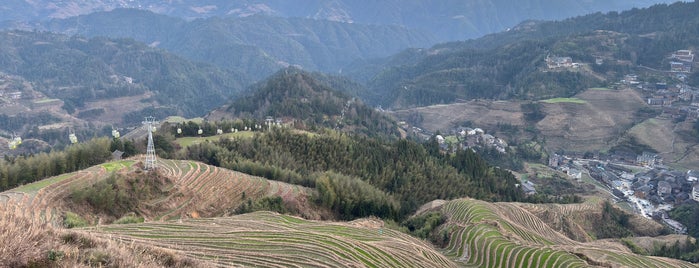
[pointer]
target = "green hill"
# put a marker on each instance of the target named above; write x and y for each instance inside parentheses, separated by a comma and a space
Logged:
(310, 101)
(511, 235)
(81, 71)
(256, 45)
(512, 64)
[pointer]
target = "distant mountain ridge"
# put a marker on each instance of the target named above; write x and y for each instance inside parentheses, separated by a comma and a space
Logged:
(512, 65)
(448, 20)
(80, 71)
(257, 45)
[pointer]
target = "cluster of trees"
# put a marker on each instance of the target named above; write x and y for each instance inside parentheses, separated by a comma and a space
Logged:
(688, 251)
(511, 64)
(77, 70)
(20, 121)
(309, 99)
(210, 128)
(405, 171)
(19, 170)
(119, 195)
(613, 223)
(688, 214)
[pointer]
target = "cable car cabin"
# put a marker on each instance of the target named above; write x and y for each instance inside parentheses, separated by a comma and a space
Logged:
(73, 139)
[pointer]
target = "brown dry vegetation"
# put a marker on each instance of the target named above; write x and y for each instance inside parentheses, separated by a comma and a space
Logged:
(594, 125)
(116, 108)
(597, 124)
(28, 244)
(674, 142)
(483, 114)
(177, 189)
(266, 239)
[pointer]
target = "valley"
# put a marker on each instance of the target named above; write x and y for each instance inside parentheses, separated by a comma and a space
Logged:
(344, 134)
(187, 222)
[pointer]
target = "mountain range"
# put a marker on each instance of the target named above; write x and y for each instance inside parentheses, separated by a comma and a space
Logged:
(512, 64)
(447, 20)
(256, 45)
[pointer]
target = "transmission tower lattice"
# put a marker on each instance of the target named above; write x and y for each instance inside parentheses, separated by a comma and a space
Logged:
(150, 123)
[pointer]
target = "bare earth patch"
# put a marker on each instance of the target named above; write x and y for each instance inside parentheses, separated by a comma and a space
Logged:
(484, 114)
(594, 125)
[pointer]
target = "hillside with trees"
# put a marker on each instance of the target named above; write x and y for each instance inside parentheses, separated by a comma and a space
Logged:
(79, 70)
(309, 101)
(255, 45)
(512, 64)
(338, 165)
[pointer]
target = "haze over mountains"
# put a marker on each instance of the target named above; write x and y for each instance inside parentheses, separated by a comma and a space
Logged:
(536, 144)
(255, 45)
(447, 20)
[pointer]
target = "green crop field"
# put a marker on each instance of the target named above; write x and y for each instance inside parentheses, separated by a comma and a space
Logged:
(46, 100)
(33, 187)
(113, 166)
(564, 100)
(188, 141)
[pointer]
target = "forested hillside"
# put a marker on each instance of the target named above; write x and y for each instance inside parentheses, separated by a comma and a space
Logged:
(353, 173)
(256, 45)
(79, 70)
(513, 64)
(309, 101)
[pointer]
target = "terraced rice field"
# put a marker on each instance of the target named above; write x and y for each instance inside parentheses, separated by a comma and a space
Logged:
(211, 191)
(266, 239)
(486, 234)
(197, 190)
(41, 201)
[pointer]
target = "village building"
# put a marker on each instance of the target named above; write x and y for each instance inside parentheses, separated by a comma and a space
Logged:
(683, 55)
(558, 62)
(647, 159)
(676, 226)
(695, 192)
(680, 67)
(664, 188)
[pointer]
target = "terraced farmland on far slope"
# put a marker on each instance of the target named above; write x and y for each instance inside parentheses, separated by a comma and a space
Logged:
(486, 234)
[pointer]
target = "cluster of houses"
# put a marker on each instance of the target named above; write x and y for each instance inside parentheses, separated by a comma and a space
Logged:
(679, 101)
(461, 138)
(478, 138)
(556, 62)
(682, 61)
(653, 191)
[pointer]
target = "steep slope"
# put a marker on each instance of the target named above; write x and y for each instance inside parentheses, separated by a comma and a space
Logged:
(178, 189)
(513, 64)
(187, 191)
(87, 74)
(258, 45)
(309, 101)
(509, 235)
